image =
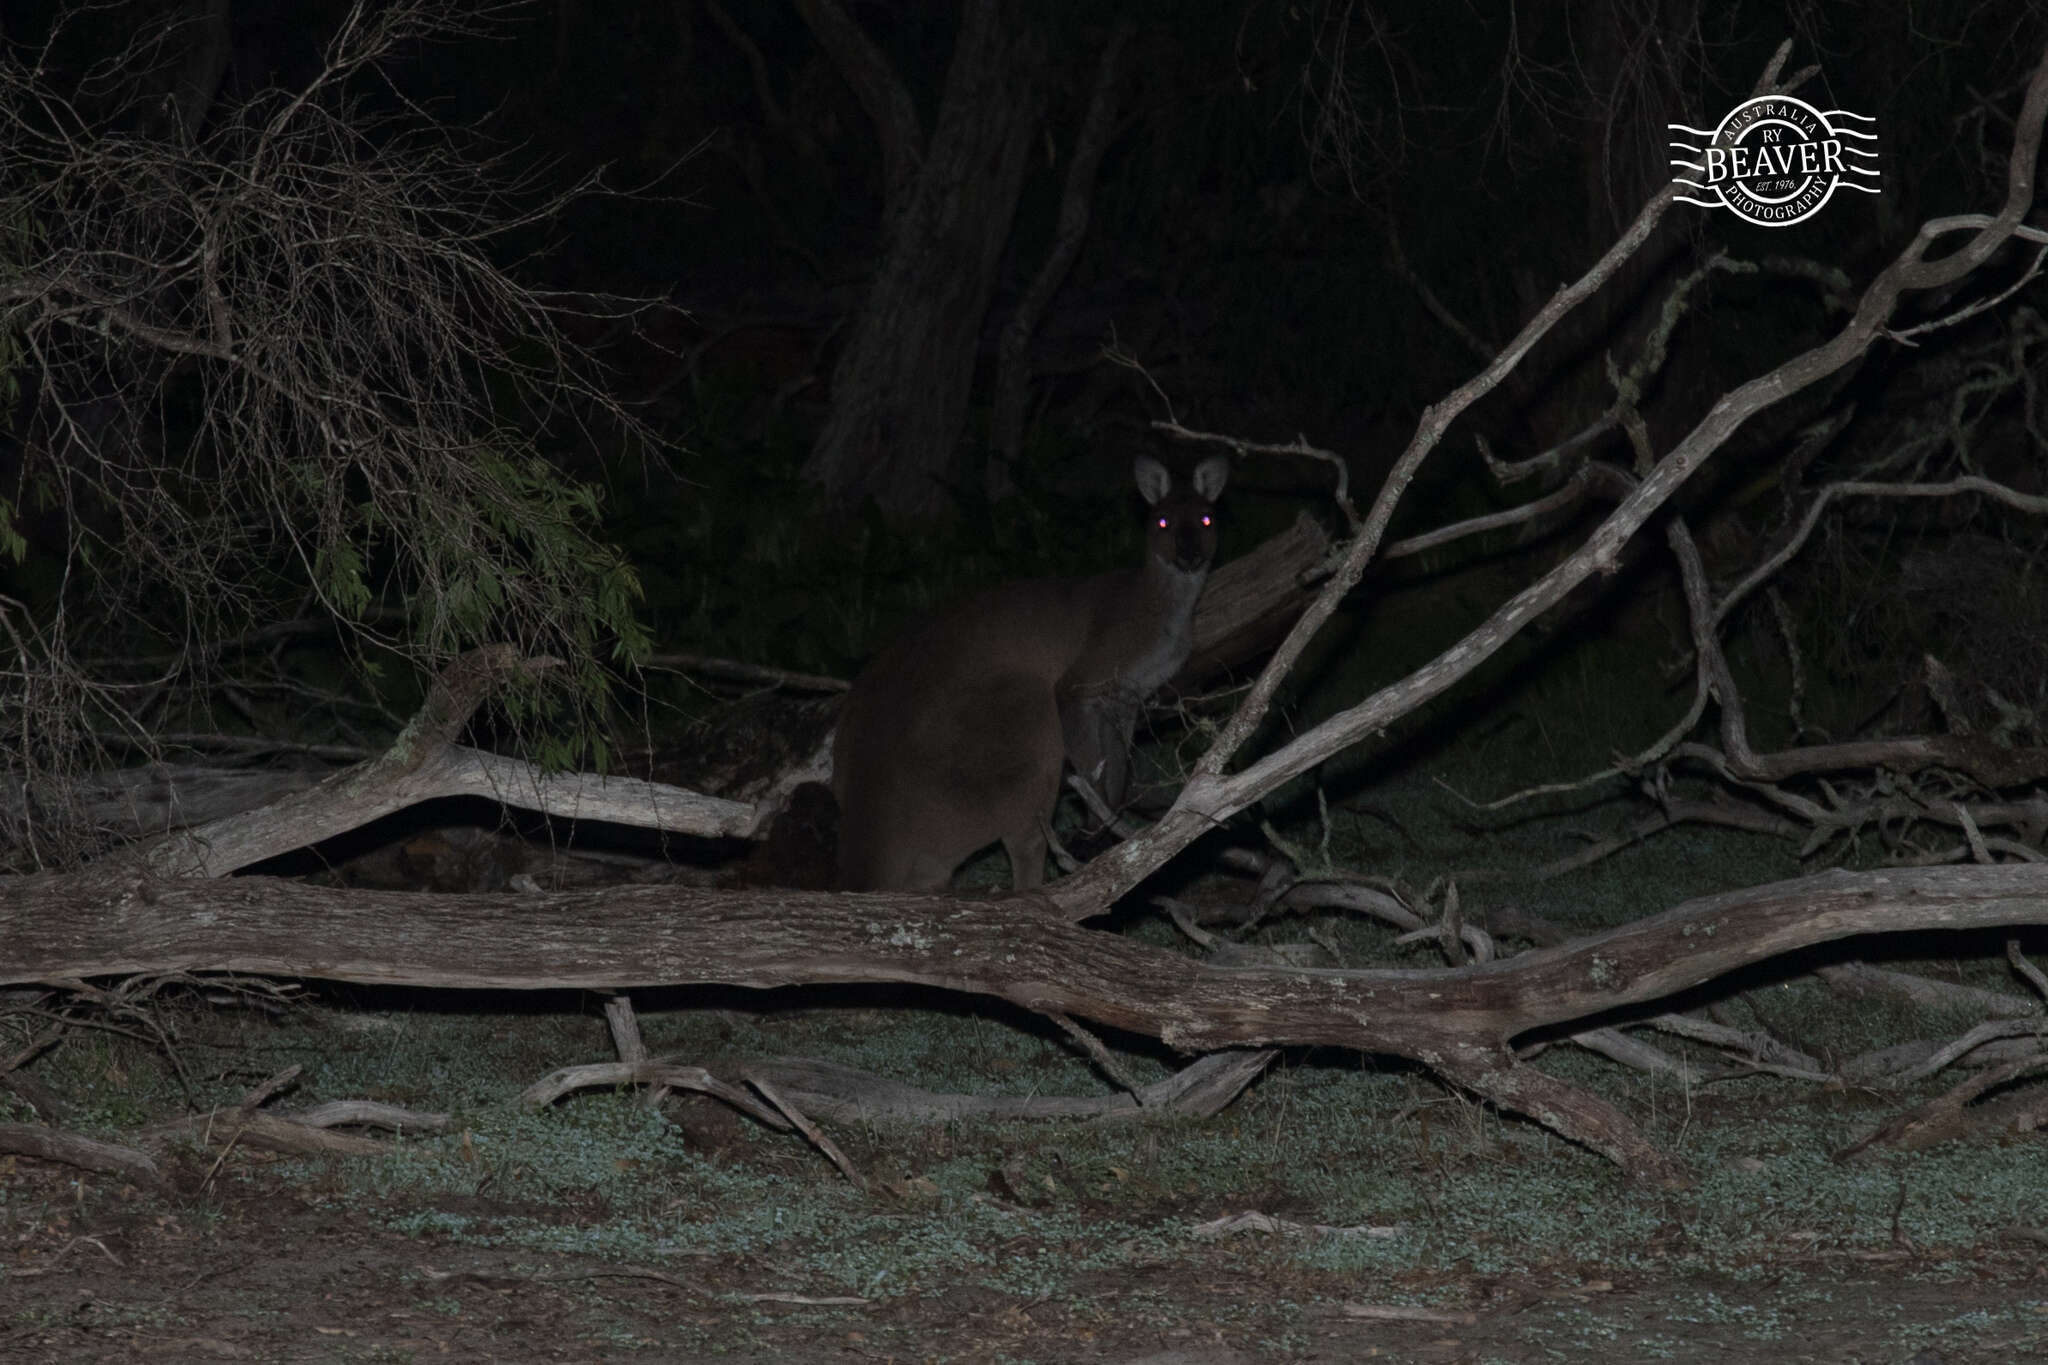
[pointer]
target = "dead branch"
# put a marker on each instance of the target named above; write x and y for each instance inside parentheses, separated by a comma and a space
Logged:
(1256, 594)
(1977, 757)
(624, 1026)
(1534, 520)
(810, 1131)
(424, 763)
(746, 672)
(661, 1075)
(1948, 1054)
(2026, 970)
(255, 1128)
(1752, 1047)
(1637, 1055)
(369, 1114)
(1884, 1068)
(1401, 1312)
(846, 1095)
(89, 1154)
(1948, 1116)
(1861, 980)
(243, 1122)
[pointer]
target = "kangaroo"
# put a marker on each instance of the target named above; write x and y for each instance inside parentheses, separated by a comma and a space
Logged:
(955, 736)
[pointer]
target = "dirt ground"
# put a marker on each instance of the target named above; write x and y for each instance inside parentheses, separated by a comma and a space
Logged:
(258, 1269)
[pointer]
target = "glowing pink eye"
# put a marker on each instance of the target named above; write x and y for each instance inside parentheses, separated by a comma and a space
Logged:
(1162, 523)
(1205, 521)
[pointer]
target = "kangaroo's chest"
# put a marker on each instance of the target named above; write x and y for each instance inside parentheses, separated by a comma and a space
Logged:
(1141, 642)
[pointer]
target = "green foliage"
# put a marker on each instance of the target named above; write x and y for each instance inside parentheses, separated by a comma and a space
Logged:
(527, 535)
(12, 543)
(338, 567)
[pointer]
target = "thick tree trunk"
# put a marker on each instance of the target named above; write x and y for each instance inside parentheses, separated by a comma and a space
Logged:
(899, 392)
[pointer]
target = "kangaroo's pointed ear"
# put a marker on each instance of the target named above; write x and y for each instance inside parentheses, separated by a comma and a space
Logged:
(1153, 480)
(1210, 476)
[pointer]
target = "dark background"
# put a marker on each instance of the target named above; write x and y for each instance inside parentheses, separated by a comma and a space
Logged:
(1284, 187)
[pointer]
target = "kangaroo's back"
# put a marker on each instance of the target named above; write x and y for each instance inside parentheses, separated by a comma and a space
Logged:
(955, 736)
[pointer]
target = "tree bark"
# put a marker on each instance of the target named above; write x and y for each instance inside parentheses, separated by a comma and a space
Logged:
(1013, 354)
(900, 389)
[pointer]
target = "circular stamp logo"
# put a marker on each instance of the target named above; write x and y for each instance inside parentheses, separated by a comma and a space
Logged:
(1776, 160)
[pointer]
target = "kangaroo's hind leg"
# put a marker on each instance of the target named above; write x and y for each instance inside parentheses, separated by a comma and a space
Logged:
(1034, 759)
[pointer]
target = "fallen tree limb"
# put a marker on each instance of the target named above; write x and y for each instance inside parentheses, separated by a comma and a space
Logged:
(1860, 980)
(255, 1128)
(812, 1133)
(1459, 1022)
(845, 1094)
(423, 763)
(90, 1154)
(357, 797)
(1949, 1115)
(303, 1134)
(645, 1071)
(306, 1134)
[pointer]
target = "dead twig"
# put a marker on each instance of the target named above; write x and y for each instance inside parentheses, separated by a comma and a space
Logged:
(745, 672)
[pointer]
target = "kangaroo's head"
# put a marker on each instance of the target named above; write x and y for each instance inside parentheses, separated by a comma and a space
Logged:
(1180, 532)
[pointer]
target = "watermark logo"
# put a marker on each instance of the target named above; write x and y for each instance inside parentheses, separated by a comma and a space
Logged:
(1775, 160)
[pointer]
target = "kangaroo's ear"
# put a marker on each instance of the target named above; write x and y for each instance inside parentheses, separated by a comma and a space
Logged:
(1210, 476)
(1153, 480)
